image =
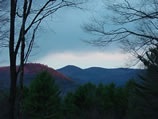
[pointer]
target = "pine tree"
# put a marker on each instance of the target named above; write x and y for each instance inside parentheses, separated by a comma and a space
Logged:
(147, 90)
(42, 100)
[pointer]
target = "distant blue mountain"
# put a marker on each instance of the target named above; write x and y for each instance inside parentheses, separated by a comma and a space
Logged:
(97, 75)
(73, 76)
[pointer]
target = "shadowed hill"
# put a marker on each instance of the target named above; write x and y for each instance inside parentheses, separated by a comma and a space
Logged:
(34, 68)
(31, 70)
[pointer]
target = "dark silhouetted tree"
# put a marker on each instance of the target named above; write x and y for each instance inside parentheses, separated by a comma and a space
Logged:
(102, 101)
(42, 100)
(147, 91)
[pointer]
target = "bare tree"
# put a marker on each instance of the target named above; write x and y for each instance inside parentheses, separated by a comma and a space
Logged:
(134, 25)
(29, 16)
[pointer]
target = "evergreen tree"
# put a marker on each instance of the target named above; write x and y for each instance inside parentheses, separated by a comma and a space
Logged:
(97, 102)
(42, 100)
(81, 103)
(147, 90)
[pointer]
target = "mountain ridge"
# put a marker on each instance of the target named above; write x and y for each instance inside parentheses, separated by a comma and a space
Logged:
(100, 75)
(70, 77)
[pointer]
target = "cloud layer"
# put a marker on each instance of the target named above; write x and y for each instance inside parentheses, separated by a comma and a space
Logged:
(84, 59)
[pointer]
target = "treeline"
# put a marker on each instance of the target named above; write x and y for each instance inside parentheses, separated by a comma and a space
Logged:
(42, 100)
(98, 102)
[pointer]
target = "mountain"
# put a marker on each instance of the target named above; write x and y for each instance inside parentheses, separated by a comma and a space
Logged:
(70, 77)
(97, 75)
(31, 69)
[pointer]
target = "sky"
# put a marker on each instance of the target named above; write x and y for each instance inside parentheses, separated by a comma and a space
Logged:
(60, 41)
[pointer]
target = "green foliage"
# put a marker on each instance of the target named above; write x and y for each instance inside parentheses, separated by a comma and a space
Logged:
(130, 91)
(41, 100)
(102, 101)
(147, 90)
(115, 101)
(1, 95)
(84, 96)
(78, 104)
(4, 104)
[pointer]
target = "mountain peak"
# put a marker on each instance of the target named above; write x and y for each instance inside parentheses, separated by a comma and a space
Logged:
(72, 66)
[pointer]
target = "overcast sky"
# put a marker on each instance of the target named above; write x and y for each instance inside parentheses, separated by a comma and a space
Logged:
(60, 41)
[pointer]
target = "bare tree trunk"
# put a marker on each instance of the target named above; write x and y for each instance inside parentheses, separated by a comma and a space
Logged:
(48, 8)
(20, 99)
(22, 59)
(12, 96)
(13, 75)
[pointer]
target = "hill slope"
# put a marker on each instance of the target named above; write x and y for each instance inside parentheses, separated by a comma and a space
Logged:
(31, 70)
